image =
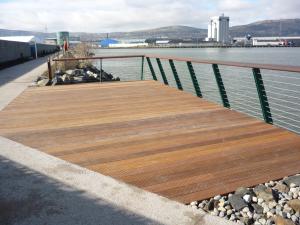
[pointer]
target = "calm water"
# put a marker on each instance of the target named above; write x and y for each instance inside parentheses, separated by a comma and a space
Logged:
(288, 56)
(283, 88)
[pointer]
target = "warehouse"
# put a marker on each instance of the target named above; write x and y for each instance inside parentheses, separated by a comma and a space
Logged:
(16, 49)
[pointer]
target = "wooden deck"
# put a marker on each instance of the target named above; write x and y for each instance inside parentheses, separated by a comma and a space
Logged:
(155, 137)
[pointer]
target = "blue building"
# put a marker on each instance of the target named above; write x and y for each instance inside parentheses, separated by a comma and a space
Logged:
(106, 42)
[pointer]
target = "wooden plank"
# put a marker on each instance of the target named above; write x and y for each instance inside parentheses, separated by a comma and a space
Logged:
(155, 137)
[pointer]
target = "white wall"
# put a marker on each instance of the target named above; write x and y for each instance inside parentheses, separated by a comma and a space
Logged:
(218, 29)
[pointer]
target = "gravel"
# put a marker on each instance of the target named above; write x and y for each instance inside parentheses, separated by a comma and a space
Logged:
(275, 202)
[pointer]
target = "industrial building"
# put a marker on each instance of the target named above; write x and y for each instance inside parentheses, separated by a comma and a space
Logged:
(133, 43)
(267, 41)
(276, 41)
(50, 41)
(128, 45)
(218, 29)
(16, 49)
(106, 42)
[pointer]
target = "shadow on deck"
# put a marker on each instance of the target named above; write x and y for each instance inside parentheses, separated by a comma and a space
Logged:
(28, 197)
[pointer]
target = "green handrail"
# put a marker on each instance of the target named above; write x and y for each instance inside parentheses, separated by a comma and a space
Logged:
(221, 86)
(142, 69)
(176, 77)
(151, 68)
(162, 72)
(262, 95)
(194, 79)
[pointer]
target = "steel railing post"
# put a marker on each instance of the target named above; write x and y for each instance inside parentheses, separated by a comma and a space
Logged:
(49, 69)
(262, 95)
(161, 69)
(194, 79)
(176, 77)
(221, 86)
(151, 68)
(142, 69)
(101, 70)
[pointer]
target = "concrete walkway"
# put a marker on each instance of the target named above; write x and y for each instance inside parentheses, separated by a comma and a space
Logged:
(14, 80)
(36, 188)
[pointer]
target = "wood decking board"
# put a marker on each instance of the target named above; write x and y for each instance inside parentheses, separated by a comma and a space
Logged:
(150, 135)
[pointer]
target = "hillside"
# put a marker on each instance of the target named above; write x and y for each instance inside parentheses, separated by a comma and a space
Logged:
(165, 32)
(40, 35)
(287, 27)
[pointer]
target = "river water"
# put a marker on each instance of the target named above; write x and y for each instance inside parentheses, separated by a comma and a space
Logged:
(283, 88)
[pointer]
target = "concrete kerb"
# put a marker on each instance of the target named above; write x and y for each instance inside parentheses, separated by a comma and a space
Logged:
(98, 186)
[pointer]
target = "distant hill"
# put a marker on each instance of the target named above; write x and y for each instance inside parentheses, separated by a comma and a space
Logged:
(41, 35)
(287, 27)
(165, 32)
(183, 32)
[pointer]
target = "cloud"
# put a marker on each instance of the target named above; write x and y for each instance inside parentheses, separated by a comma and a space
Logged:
(127, 15)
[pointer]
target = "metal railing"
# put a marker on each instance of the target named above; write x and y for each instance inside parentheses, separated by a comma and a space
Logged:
(268, 92)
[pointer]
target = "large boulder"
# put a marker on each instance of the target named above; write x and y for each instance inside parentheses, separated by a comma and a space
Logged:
(43, 82)
(292, 180)
(281, 221)
(237, 202)
(294, 204)
(264, 192)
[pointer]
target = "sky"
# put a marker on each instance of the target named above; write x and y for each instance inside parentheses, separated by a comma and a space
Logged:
(130, 15)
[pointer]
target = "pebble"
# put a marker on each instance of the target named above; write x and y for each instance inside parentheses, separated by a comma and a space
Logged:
(246, 209)
(256, 216)
(227, 207)
(269, 222)
(272, 205)
(261, 205)
(257, 208)
(217, 198)
(266, 209)
(294, 218)
(229, 212)
(194, 207)
(295, 195)
(260, 200)
(222, 214)
(232, 217)
(193, 203)
(249, 214)
(269, 215)
(294, 190)
(221, 209)
(214, 213)
(247, 198)
(262, 221)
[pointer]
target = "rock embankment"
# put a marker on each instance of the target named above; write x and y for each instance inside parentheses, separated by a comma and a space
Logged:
(86, 74)
(275, 202)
